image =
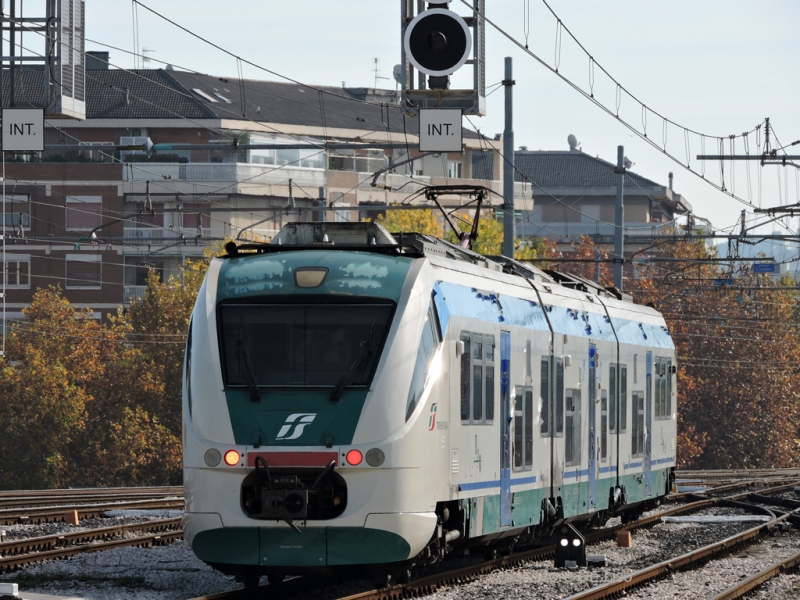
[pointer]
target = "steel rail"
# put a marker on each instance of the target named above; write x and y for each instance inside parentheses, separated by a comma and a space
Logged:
(28, 501)
(48, 542)
(782, 484)
(50, 514)
(146, 541)
(156, 490)
(740, 589)
(755, 473)
(690, 560)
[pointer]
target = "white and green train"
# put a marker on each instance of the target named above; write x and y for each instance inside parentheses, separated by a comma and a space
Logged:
(358, 400)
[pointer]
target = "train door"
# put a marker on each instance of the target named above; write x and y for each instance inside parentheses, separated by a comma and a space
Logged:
(648, 445)
(592, 415)
(506, 415)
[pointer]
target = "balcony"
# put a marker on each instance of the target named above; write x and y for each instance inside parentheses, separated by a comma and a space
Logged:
(236, 172)
(156, 235)
(133, 292)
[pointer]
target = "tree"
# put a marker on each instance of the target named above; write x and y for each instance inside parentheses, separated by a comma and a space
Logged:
(738, 351)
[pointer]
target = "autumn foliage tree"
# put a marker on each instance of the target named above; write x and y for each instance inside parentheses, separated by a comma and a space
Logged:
(738, 354)
(490, 231)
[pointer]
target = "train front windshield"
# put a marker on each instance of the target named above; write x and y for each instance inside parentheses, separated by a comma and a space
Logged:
(302, 346)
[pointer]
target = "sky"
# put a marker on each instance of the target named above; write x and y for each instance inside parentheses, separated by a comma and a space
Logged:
(715, 67)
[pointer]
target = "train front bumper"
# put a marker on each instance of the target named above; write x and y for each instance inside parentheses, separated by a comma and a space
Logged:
(385, 538)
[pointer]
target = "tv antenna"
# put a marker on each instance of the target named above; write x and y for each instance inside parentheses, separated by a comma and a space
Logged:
(376, 71)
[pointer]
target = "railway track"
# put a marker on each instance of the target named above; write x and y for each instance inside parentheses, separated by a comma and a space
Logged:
(26, 551)
(32, 499)
(429, 584)
(55, 513)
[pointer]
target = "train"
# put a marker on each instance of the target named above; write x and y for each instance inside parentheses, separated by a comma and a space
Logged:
(365, 401)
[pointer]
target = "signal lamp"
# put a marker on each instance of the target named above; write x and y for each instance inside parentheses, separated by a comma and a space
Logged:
(375, 457)
(231, 458)
(212, 457)
(354, 457)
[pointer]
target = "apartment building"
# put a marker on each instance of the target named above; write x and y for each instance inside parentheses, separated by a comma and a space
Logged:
(94, 212)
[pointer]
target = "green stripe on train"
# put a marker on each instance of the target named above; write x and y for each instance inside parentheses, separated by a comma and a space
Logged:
(270, 276)
(354, 274)
(315, 547)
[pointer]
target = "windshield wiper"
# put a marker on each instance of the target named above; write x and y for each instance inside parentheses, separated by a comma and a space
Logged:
(361, 361)
(246, 369)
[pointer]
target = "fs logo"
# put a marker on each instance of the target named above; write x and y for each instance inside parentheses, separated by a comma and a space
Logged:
(432, 418)
(299, 422)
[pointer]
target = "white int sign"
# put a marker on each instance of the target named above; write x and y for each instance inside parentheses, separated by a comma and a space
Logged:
(440, 130)
(23, 130)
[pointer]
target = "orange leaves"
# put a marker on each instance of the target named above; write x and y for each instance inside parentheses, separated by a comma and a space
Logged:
(88, 404)
(738, 356)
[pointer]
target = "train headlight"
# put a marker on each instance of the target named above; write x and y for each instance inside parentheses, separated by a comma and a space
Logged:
(375, 457)
(310, 277)
(231, 458)
(212, 457)
(354, 457)
(564, 541)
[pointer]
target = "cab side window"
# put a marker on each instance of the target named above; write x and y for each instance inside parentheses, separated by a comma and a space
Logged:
(431, 338)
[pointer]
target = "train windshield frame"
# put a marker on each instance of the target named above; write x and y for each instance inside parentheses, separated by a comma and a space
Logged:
(302, 345)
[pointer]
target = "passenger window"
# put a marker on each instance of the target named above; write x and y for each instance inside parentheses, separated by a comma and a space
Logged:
(623, 398)
(528, 427)
(523, 428)
(559, 393)
(488, 367)
(603, 425)
(430, 341)
(544, 397)
(637, 426)
(663, 391)
(477, 378)
(612, 398)
(519, 428)
(465, 377)
(572, 437)
(668, 392)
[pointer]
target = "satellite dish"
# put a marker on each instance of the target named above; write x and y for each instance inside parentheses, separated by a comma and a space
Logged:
(398, 73)
(573, 142)
(437, 42)
(626, 162)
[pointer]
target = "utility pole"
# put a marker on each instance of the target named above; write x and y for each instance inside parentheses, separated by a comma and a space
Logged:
(508, 167)
(619, 220)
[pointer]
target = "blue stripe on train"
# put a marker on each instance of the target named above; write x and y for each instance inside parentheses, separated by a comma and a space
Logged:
(482, 485)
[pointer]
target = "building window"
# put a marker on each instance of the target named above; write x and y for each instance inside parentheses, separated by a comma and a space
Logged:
(477, 378)
(84, 271)
(454, 169)
(17, 211)
(18, 272)
(84, 212)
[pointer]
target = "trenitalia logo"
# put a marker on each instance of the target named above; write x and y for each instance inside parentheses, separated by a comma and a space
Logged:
(299, 422)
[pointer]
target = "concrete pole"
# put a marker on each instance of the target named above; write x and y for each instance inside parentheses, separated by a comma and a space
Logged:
(508, 167)
(619, 220)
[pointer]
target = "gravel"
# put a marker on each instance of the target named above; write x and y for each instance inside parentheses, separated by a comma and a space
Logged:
(172, 572)
(650, 546)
